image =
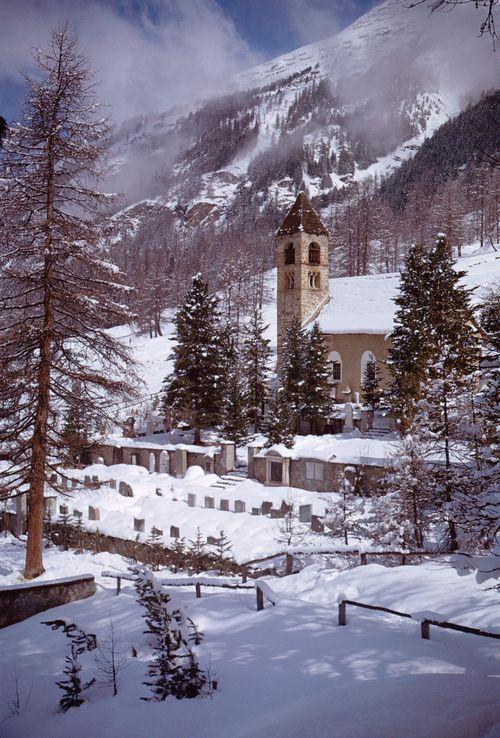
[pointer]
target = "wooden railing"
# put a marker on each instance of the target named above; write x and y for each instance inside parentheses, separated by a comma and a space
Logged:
(425, 623)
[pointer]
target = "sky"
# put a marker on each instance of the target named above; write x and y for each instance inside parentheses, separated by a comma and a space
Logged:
(151, 55)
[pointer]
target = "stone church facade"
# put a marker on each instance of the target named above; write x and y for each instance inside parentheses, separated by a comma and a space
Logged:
(304, 292)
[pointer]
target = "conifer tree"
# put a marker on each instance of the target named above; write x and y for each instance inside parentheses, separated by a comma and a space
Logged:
(72, 686)
(57, 292)
(197, 552)
(235, 412)
(255, 365)
(154, 540)
(371, 391)
(196, 386)
(224, 546)
(408, 358)
(316, 387)
(292, 370)
(279, 422)
(345, 516)
(77, 429)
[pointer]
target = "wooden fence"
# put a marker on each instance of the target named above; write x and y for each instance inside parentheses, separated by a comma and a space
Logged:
(425, 623)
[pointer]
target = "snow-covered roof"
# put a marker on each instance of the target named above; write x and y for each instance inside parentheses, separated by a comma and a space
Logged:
(302, 218)
(352, 448)
(366, 304)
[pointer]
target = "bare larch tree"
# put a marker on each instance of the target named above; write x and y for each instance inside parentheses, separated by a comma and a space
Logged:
(58, 292)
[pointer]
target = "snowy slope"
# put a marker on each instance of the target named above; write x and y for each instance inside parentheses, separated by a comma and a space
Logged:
(286, 672)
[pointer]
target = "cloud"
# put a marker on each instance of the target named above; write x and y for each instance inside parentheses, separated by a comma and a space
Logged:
(148, 55)
(312, 20)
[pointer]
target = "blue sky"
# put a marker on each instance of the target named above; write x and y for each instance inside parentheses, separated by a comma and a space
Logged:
(150, 55)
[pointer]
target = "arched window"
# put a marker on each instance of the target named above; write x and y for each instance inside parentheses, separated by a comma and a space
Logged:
(365, 359)
(336, 367)
(290, 254)
(314, 253)
(290, 281)
(313, 278)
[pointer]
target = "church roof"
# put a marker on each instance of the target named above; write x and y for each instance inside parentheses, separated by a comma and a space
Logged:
(302, 218)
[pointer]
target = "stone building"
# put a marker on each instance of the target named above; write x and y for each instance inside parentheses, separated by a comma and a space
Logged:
(355, 329)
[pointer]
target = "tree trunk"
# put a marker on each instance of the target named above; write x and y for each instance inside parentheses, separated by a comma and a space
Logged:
(197, 437)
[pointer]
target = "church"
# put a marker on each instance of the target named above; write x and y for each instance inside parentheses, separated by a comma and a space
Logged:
(355, 314)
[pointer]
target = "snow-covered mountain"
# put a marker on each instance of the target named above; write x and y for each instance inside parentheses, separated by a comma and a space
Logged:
(353, 104)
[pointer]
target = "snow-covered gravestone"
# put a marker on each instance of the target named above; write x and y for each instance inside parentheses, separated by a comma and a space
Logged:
(74, 483)
(112, 483)
(152, 463)
(63, 510)
(305, 512)
(224, 505)
(209, 503)
(95, 480)
(191, 499)
(87, 481)
(239, 506)
(212, 540)
(174, 532)
(255, 510)
(139, 525)
(266, 508)
(317, 525)
(50, 504)
(125, 489)
(94, 513)
(164, 463)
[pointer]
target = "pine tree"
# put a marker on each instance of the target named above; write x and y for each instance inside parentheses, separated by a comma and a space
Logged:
(316, 388)
(155, 541)
(197, 552)
(58, 292)
(235, 413)
(72, 686)
(179, 554)
(279, 422)
(224, 546)
(292, 372)
(195, 387)
(255, 365)
(410, 351)
(371, 391)
(345, 516)
(77, 429)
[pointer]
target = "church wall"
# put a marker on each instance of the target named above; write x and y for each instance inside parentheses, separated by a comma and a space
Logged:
(351, 347)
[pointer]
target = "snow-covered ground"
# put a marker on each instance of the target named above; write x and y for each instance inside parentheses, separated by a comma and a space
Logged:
(287, 671)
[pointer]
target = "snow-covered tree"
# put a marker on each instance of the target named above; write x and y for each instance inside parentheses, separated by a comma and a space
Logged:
(292, 374)
(346, 516)
(174, 670)
(255, 364)
(279, 422)
(58, 291)
(316, 387)
(235, 411)
(224, 547)
(370, 387)
(195, 388)
(197, 552)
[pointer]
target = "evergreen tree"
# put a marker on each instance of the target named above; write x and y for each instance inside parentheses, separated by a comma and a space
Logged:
(77, 428)
(410, 351)
(235, 414)
(279, 422)
(371, 391)
(195, 388)
(197, 552)
(255, 364)
(155, 541)
(224, 546)
(72, 686)
(345, 516)
(316, 387)
(292, 372)
(179, 552)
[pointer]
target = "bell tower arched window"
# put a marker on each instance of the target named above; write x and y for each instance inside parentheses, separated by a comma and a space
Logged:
(335, 362)
(290, 281)
(313, 279)
(290, 254)
(314, 253)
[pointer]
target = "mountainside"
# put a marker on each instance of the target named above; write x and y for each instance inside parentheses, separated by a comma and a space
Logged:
(206, 187)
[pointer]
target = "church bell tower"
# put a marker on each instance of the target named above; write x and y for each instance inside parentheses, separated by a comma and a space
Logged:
(302, 261)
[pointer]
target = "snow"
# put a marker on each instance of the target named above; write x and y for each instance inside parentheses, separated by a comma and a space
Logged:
(288, 671)
(345, 448)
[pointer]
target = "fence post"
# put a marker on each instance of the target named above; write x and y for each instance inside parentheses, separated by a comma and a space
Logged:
(403, 559)
(363, 558)
(289, 564)
(198, 590)
(244, 576)
(118, 585)
(342, 613)
(425, 629)
(260, 598)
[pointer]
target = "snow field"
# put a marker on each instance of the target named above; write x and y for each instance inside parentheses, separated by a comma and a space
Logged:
(287, 671)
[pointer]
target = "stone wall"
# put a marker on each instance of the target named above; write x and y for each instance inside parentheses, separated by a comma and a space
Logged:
(18, 602)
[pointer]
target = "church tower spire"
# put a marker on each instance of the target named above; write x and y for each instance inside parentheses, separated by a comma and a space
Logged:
(302, 261)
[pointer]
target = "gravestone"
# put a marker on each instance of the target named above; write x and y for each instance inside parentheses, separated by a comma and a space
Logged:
(286, 507)
(255, 510)
(224, 505)
(94, 513)
(348, 422)
(53, 478)
(156, 531)
(95, 480)
(191, 499)
(125, 489)
(275, 513)
(266, 508)
(317, 525)
(212, 541)
(210, 502)
(74, 483)
(21, 513)
(239, 506)
(139, 525)
(64, 482)
(87, 481)
(63, 510)
(174, 532)
(305, 512)
(50, 504)
(112, 483)
(77, 513)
